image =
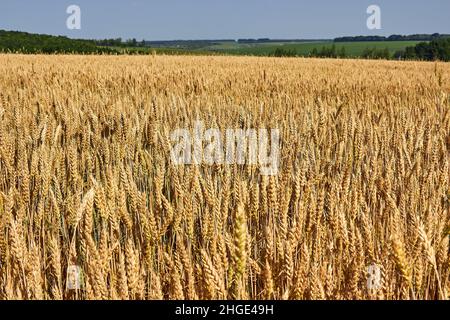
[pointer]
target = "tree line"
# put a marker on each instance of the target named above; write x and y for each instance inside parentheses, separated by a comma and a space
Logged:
(428, 51)
(23, 42)
(394, 37)
(333, 52)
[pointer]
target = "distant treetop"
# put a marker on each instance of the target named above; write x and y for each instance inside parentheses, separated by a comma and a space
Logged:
(394, 37)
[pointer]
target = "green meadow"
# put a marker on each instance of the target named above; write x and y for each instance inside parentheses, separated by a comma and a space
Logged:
(352, 49)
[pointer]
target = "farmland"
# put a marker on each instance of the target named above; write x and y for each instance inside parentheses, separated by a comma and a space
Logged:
(21, 42)
(301, 49)
(352, 49)
(87, 182)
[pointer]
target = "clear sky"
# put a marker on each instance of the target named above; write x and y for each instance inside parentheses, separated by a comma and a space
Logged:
(224, 19)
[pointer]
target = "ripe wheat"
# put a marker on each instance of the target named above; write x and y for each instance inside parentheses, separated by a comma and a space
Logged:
(86, 179)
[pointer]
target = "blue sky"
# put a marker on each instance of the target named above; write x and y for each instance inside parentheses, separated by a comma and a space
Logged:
(224, 19)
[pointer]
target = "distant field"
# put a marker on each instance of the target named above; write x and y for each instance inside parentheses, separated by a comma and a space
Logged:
(354, 49)
(162, 50)
(22, 42)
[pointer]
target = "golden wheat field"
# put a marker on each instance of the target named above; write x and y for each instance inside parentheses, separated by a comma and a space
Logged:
(86, 179)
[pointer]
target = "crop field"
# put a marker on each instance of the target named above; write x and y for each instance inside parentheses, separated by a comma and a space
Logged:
(301, 49)
(352, 49)
(87, 182)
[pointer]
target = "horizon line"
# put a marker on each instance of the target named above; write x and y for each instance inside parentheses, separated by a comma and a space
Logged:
(230, 39)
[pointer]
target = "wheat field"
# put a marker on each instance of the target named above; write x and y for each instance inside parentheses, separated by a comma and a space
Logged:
(86, 179)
